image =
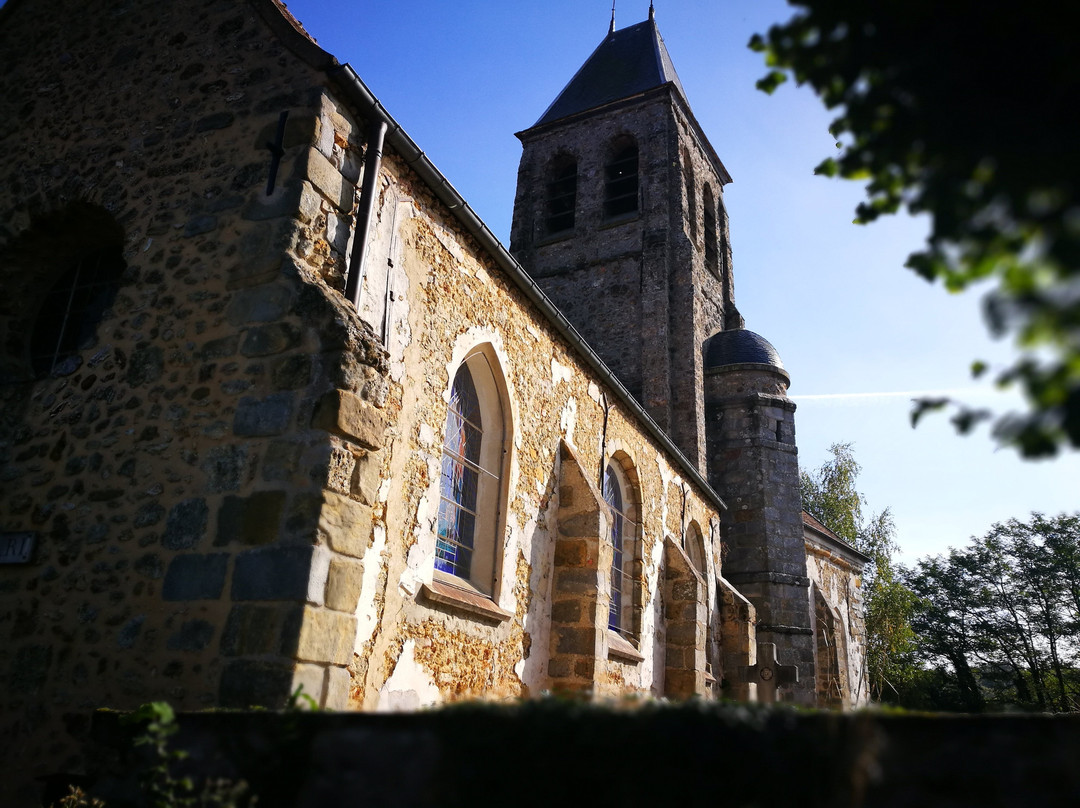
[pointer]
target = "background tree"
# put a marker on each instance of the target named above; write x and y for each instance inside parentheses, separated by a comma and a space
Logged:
(829, 494)
(1001, 614)
(966, 111)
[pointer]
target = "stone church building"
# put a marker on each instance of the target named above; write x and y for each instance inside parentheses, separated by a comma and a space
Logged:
(277, 408)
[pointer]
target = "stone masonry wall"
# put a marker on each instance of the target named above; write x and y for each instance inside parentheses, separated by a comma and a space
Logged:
(437, 299)
(839, 583)
(198, 480)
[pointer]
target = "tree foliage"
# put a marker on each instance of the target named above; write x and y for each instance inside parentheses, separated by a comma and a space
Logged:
(829, 494)
(999, 620)
(966, 111)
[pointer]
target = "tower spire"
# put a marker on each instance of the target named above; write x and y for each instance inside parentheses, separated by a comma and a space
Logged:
(611, 30)
(652, 12)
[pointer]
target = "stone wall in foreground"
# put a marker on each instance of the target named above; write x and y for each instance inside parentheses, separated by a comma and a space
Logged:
(697, 755)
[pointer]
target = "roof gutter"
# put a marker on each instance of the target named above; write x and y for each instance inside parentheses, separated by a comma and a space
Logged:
(397, 139)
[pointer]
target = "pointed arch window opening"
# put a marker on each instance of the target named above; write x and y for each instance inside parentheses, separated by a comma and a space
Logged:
(621, 182)
(623, 536)
(464, 476)
(70, 314)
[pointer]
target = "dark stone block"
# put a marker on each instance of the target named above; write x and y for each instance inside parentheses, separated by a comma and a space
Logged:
(250, 630)
(270, 339)
(129, 632)
(260, 417)
(194, 635)
(196, 577)
(274, 573)
(185, 525)
(149, 514)
(250, 520)
(250, 683)
(219, 120)
(262, 304)
(145, 366)
(198, 225)
(291, 372)
(224, 467)
(219, 348)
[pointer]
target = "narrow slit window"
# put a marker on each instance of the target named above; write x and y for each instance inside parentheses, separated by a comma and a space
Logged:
(621, 180)
(711, 236)
(561, 196)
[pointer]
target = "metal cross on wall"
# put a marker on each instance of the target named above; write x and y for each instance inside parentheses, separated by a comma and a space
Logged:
(768, 674)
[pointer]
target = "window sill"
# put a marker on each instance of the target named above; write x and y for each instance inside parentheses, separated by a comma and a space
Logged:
(621, 650)
(555, 238)
(622, 218)
(465, 600)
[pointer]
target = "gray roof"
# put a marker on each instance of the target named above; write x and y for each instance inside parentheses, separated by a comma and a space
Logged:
(628, 62)
(740, 347)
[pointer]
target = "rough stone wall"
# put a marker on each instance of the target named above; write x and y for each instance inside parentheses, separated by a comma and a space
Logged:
(754, 461)
(838, 582)
(635, 286)
(199, 479)
(436, 298)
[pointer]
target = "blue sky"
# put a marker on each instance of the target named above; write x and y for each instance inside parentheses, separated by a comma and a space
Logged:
(859, 334)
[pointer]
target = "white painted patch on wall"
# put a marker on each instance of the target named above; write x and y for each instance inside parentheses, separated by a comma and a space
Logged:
(320, 571)
(594, 392)
(568, 420)
(409, 687)
(560, 372)
(428, 435)
(366, 612)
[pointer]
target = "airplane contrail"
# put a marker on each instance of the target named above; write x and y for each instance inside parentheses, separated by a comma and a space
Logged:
(969, 392)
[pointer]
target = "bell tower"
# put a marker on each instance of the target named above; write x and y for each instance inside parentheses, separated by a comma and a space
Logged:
(619, 217)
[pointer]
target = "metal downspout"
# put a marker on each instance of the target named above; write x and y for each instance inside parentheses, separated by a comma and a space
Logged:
(372, 162)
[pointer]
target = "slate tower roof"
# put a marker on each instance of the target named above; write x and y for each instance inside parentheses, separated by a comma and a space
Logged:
(628, 62)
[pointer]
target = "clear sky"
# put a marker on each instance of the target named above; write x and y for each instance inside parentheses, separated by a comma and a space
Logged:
(859, 334)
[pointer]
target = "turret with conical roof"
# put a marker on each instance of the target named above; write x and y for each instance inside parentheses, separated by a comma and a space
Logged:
(619, 217)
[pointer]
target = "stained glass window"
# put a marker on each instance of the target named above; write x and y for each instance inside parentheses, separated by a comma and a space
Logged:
(613, 496)
(460, 478)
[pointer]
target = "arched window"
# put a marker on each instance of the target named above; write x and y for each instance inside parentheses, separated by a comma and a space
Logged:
(624, 607)
(621, 178)
(470, 486)
(561, 195)
(712, 251)
(69, 316)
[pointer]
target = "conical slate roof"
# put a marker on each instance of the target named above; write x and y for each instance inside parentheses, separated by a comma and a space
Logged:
(628, 62)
